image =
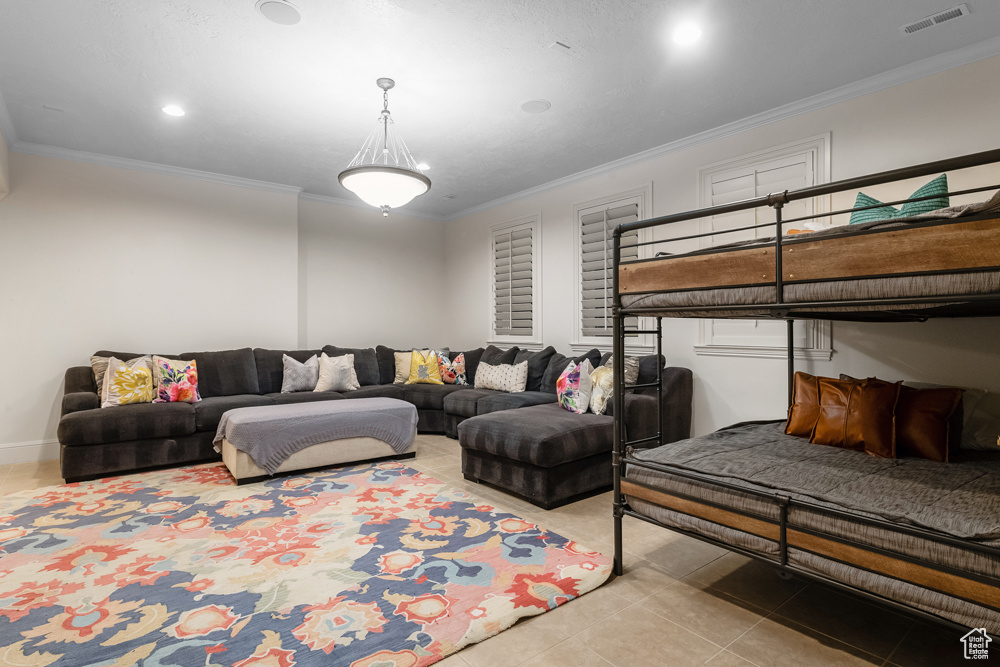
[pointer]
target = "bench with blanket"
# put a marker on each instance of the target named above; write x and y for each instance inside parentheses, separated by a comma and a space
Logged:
(265, 440)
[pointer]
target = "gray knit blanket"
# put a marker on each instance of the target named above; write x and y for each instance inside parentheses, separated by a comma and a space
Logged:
(270, 434)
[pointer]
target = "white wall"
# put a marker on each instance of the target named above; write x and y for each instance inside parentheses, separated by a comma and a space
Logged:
(928, 119)
(4, 168)
(371, 280)
(95, 257)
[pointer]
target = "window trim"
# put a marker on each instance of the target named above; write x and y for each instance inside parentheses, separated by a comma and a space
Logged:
(643, 344)
(819, 336)
(533, 221)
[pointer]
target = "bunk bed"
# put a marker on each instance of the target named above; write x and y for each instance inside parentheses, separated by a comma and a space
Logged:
(920, 536)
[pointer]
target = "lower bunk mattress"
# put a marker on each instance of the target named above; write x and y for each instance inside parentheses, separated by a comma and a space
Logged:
(917, 532)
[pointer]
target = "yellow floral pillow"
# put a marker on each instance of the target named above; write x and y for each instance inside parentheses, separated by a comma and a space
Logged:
(128, 382)
(424, 368)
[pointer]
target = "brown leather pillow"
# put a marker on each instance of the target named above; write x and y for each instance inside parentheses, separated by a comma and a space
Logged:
(858, 415)
(925, 424)
(804, 411)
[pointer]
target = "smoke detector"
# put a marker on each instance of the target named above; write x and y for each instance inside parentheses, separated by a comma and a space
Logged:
(536, 106)
(279, 11)
(936, 19)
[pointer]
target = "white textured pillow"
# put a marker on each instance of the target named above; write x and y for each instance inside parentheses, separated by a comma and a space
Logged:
(511, 378)
(337, 374)
(298, 376)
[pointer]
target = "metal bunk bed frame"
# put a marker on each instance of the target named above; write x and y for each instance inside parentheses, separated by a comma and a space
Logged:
(983, 305)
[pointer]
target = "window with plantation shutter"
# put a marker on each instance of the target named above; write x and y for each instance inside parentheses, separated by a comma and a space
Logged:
(790, 167)
(595, 268)
(515, 254)
(597, 263)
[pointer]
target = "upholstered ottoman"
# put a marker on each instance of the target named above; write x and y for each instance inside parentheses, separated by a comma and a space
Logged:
(543, 453)
(260, 441)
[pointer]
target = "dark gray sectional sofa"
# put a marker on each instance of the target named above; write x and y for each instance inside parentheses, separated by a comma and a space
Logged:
(98, 442)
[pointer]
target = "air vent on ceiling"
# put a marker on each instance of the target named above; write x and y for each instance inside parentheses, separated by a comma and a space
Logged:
(450, 197)
(936, 19)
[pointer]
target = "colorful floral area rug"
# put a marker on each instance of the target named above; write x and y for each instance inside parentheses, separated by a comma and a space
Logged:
(371, 565)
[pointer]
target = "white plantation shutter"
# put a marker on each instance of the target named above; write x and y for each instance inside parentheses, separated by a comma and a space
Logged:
(747, 178)
(513, 269)
(597, 266)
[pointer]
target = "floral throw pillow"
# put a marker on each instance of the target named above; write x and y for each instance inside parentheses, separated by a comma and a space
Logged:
(178, 381)
(453, 372)
(573, 387)
(127, 382)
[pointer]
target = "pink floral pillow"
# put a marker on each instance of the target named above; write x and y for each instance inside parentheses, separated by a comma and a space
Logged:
(453, 372)
(178, 381)
(573, 387)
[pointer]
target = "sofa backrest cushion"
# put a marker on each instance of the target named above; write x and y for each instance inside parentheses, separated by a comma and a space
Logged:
(366, 363)
(537, 363)
(386, 359)
(649, 370)
(271, 370)
(494, 356)
(226, 372)
(559, 362)
(472, 359)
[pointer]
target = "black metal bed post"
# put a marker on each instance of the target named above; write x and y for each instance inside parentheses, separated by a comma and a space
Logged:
(618, 397)
(777, 202)
(791, 359)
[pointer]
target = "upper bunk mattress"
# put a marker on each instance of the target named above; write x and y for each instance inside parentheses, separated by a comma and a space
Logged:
(899, 259)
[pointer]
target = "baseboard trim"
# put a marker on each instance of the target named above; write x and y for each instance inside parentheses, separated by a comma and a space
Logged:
(32, 450)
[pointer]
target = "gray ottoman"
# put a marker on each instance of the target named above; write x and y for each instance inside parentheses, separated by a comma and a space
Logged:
(543, 453)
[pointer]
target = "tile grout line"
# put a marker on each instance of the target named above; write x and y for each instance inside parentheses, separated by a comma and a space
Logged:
(902, 639)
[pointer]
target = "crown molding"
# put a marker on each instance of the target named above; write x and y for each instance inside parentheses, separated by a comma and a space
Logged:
(150, 167)
(894, 77)
(7, 125)
(354, 203)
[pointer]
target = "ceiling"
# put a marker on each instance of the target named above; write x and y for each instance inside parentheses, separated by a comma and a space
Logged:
(292, 104)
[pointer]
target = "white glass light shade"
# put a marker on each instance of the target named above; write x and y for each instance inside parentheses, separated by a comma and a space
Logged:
(384, 186)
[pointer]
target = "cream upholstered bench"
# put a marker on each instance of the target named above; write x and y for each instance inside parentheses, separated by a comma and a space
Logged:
(321, 455)
(257, 442)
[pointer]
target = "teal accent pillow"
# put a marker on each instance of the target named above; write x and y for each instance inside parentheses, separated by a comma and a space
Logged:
(939, 187)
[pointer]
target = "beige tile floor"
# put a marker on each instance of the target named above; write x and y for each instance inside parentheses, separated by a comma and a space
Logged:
(680, 602)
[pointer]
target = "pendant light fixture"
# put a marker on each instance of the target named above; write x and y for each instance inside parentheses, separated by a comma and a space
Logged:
(383, 173)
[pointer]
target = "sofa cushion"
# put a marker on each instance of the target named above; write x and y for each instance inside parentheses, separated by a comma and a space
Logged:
(428, 396)
(463, 403)
(537, 363)
(270, 369)
(521, 399)
(376, 391)
(494, 356)
(208, 411)
(649, 369)
(127, 422)
(472, 359)
(542, 435)
(386, 359)
(365, 362)
(559, 362)
(226, 372)
(303, 397)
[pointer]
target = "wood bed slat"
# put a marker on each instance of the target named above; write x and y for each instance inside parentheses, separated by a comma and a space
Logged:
(946, 247)
(914, 573)
(724, 269)
(758, 527)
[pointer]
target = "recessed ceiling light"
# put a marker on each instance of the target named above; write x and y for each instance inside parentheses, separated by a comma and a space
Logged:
(536, 106)
(173, 110)
(687, 33)
(278, 11)
(423, 166)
